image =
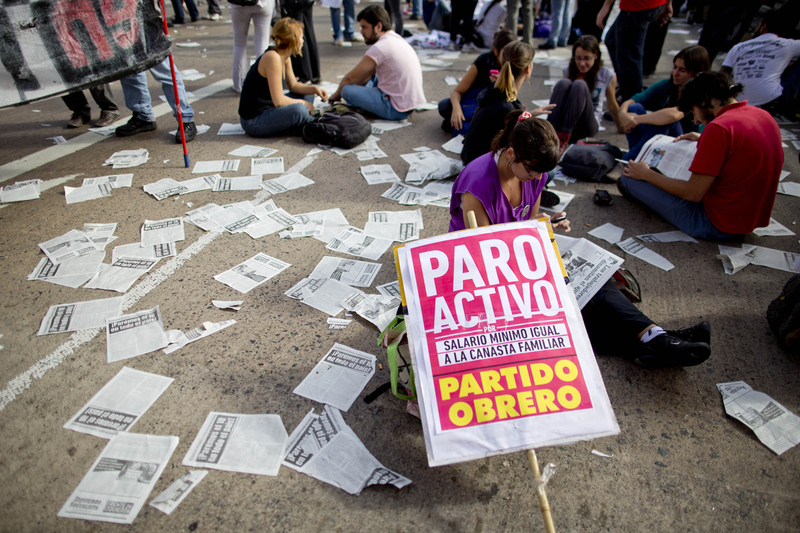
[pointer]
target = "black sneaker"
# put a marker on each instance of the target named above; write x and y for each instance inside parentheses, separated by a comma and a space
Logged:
(666, 351)
(135, 125)
(698, 333)
(189, 130)
(549, 199)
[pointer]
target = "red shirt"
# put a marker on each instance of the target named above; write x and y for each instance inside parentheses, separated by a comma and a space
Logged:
(639, 5)
(742, 148)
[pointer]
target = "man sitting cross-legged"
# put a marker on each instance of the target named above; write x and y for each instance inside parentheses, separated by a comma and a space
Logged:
(735, 172)
(388, 80)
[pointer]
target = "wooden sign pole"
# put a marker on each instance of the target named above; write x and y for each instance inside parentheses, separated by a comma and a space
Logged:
(544, 505)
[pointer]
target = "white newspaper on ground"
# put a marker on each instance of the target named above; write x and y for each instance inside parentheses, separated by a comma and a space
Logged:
(80, 315)
(123, 475)
(666, 236)
(162, 231)
(20, 191)
(241, 183)
(135, 249)
(246, 276)
(774, 229)
(375, 174)
(178, 339)
(381, 126)
(135, 334)
(322, 225)
(734, 259)
(390, 289)
(589, 266)
(200, 217)
(164, 188)
(119, 404)
(668, 157)
(638, 250)
(74, 243)
(405, 194)
(233, 305)
(70, 272)
(248, 150)
(349, 271)
(369, 150)
(789, 188)
(271, 222)
(287, 182)
(338, 323)
(430, 165)
(266, 165)
(122, 274)
(128, 158)
(454, 145)
(250, 444)
(202, 183)
(355, 242)
(167, 501)
(400, 226)
(230, 129)
(325, 448)
(608, 232)
(115, 180)
(213, 167)
(378, 309)
(774, 425)
(100, 234)
(323, 294)
(339, 377)
(233, 218)
(84, 193)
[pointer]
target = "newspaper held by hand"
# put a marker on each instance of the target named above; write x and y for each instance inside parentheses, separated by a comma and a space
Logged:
(589, 266)
(339, 377)
(668, 157)
(325, 448)
(773, 424)
(135, 334)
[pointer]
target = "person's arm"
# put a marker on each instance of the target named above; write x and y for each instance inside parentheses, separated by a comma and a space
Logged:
(691, 136)
(360, 74)
(301, 88)
(471, 203)
(666, 14)
(692, 190)
(269, 67)
(457, 116)
(613, 106)
(662, 117)
(603, 13)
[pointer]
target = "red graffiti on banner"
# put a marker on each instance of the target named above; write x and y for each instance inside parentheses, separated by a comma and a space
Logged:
(65, 13)
(113, 17)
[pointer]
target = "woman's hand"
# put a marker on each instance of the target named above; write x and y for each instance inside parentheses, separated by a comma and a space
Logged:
(636, 170)
(457, 118)
(544, 110)
(562, 224)
(691, 136)
(309, 105)
(321, 93)
(627, 122)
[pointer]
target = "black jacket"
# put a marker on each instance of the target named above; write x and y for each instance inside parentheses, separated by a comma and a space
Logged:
(487, 122)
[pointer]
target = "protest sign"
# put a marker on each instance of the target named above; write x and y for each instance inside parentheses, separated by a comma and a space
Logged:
(503, 362)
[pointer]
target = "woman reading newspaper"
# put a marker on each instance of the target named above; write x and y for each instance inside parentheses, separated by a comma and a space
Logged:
(505, 185)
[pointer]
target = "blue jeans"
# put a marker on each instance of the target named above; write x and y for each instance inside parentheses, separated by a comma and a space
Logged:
(277, 120)
(190, 5)
(137, 96)
(469, 104)
(349, 19)
(689, 217)
(642, 133)
(369, 98)
(562, 22)
(427, 12)
(416, 7)
(625, 43)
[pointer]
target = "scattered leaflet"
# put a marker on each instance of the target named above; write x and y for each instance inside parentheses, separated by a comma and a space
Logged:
(401, 226)
(135, 249)
(81, 315)
(339, 377)
(118, 483)
(74, 195)
(230, 129)
(735, 259)
(638, 250)
(378, 309)
(128, 158)
(355, 242)
(74, 243)
(233, 305)
(248, 150)
(250, 444)
(774, 425)
(162, 231)
(338, 323)
(233, 218)
(666, 236)
(390, 289)
(608, 232)
(21, 191)
(775, 229)
(167, 501)
(119, 404)
(122, 273)
(178, 339)
(100, 234)
(70, 272)
(787, 187)
(565, 197)
(455, 145)
(266, 165)
(116, 180)
(430, 165)
(246, 276)
(210, 167)
(135, 334)
(382, 126)
(322, 225)
(369, 150)
(271, 222)
(349, 271)
(192, 74)
(325, 448)
(204, 183)
(200, 217)
(375, 174)
(164, 188)
(589, 266)
(669, 157)
(287, 182)
(405, 194)
(243, 183)
(323, 294)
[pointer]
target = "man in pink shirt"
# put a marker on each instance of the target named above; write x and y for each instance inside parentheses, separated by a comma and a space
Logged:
(388, 80)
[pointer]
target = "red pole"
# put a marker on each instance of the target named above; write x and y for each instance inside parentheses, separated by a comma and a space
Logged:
(175, 88)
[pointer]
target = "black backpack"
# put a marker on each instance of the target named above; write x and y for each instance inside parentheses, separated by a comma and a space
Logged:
(590, 162)
(344, 130)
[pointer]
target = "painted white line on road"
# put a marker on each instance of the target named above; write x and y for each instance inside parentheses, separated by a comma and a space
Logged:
(23, 382)
(48, 155)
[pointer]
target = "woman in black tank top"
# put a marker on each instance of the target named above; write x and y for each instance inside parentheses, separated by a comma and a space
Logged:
(264, 109)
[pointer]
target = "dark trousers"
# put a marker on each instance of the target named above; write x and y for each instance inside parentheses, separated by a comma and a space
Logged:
(213, 7)
(574, 113)
(190, 5)
(613, 322)
(625, 43)
(396, 14)
(77, 102)
(306, 67)
(461, 20)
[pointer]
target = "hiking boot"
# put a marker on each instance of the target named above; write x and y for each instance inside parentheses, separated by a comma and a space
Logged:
(77, 120)
(135, 125)
(697, 333)
(106, 118)
(667, 351)
(189, 131)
